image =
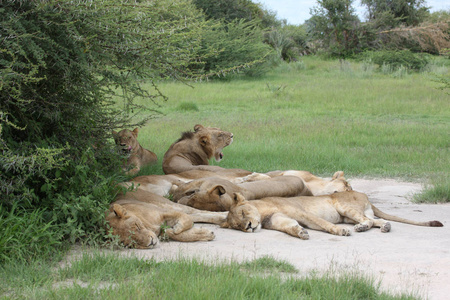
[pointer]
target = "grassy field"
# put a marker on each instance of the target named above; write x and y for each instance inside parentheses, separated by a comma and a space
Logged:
(97, 275)
(320, 116)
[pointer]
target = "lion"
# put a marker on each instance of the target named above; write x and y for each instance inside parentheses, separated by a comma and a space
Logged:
(216, 194)
(289, 215)
(194, 149)
(137, 155)
(165, 185)
(139, 218)
(318, 186)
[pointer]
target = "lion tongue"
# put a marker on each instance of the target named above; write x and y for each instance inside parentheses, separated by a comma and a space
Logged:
(221, 155)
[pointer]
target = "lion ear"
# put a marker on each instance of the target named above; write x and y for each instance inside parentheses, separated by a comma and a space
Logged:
(204, 140)
(238, 198)
(135, 131)
(219, 188)
(198, 127)
(338, 174)
(119, 210)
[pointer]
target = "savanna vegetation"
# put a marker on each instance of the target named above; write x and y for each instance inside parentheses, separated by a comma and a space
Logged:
(369, 97)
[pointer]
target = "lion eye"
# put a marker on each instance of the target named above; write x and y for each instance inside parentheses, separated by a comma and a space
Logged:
(191, 192)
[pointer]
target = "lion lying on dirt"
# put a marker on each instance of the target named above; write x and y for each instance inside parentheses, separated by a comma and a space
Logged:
(318, 186)
(137, 155)
(138, 218)
(216, 194)
(319, 212)
(194, 149)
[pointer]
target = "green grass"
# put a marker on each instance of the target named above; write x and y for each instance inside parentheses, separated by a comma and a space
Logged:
(321, 117)
(436, 192)
(98, 275)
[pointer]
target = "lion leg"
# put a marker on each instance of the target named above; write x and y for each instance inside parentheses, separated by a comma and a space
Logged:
(178, 222)
(315, 222)
(384, 225)
(353, 216)
(250, 178)
(209, 217)
(193, 234)
(283, 223)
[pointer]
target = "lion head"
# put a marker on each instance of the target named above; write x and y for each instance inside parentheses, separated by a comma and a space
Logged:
(242, 215)
(130, 228)
(196, 148)
(338, 183)
(126, 140)
(212, 194)
(213, 140)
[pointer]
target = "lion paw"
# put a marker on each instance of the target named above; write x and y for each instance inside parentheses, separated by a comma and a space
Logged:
(204, 234)
(344, 231)
(211, 236)
(361, 227)
(386, 227)
(303, 234)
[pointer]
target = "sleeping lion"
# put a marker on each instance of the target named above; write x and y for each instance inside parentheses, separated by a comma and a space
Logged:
(140, 217)
(291, 215)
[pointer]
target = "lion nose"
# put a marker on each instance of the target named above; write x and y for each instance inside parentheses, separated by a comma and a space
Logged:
(249, 226)
(153, 242)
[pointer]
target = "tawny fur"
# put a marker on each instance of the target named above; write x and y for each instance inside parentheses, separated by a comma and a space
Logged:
(291, 215)
(216, 194)
(138, 156)
(318, 186)
(194, 149)
(137, 217)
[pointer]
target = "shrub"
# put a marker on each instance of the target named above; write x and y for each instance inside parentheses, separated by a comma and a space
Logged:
(63, 68)
(236, 46)
(187, 106)
(397, 59)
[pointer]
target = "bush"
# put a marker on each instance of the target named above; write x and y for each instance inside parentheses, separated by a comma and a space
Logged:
(397, 59)
(63, 69)
(235, 46)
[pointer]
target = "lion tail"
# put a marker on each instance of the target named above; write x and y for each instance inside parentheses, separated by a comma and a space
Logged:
(388, 217)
